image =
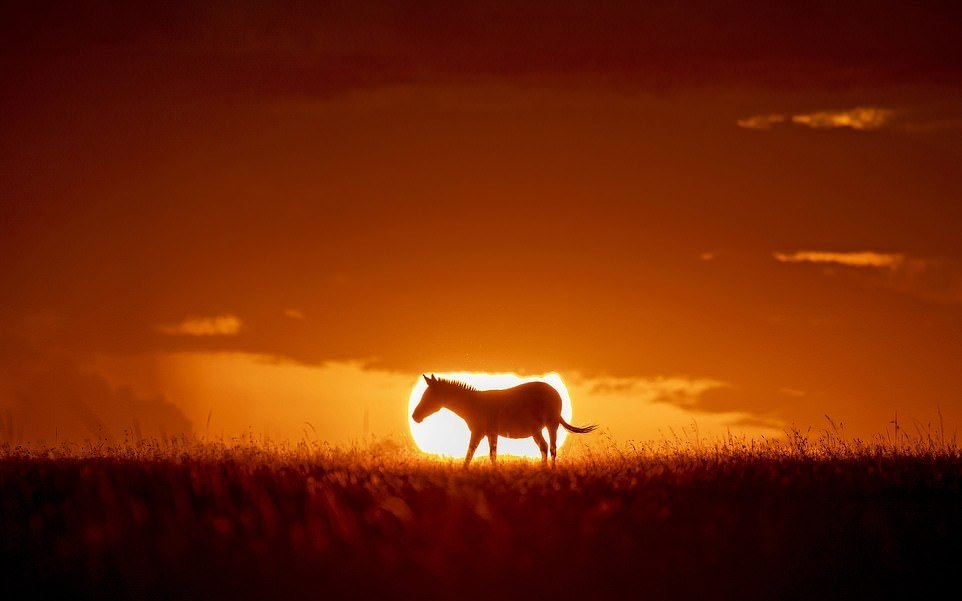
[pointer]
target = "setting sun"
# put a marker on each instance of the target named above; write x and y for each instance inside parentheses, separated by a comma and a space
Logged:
(447, 435)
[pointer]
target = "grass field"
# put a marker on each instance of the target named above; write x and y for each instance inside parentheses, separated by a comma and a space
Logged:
(747, 520)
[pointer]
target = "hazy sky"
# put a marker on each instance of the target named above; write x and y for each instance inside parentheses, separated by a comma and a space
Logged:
(282, 213)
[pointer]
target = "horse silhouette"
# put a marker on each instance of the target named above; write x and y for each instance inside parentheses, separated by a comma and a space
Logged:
(517, 412)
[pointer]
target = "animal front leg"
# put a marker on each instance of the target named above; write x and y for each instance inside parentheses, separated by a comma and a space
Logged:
(493, 445)
(542, 445)
(472, 447)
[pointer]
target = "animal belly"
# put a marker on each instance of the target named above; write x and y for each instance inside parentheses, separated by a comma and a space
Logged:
(516, 433)
(519, 425)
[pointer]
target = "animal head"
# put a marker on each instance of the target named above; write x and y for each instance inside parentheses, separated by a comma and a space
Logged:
(430, 402)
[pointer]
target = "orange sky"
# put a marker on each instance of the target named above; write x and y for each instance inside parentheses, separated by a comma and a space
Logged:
(745, 217)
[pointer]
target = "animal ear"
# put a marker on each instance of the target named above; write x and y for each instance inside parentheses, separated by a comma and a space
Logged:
(434, 378)
(426, 379)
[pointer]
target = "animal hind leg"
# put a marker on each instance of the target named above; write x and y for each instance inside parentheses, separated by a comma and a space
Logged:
(472, 447)
(539, 438)
(553, 439)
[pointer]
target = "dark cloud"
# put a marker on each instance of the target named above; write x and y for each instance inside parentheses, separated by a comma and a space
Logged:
(61, 403)
(48, 397)
(253, 49)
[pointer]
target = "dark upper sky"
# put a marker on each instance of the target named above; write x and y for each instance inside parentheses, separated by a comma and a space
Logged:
(580, 186)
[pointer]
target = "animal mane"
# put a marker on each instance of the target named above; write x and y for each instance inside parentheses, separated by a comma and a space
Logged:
(456, 384)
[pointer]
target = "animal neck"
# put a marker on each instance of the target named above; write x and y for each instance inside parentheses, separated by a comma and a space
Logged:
(461, 401)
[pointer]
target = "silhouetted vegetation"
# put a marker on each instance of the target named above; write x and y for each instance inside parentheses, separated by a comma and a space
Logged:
(802, 519)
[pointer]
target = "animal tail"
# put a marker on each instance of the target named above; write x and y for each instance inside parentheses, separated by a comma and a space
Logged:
(576, 429)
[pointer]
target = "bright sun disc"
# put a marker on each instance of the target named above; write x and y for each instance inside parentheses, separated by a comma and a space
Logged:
(446, 434)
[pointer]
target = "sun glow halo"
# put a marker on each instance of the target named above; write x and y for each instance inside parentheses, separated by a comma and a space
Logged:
(446, 434)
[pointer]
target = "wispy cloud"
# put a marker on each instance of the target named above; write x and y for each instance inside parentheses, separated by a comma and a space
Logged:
(667, 389)
(761, 121)
(861, 118)
(932, 279)
(220, 325)
(294, 313)
(793, 392)
(652, 407)
(865, 258)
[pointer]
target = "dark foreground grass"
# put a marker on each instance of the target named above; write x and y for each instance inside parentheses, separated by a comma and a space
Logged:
(252, 522)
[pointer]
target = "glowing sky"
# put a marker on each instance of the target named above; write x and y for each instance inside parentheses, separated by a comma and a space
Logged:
(736, 217)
